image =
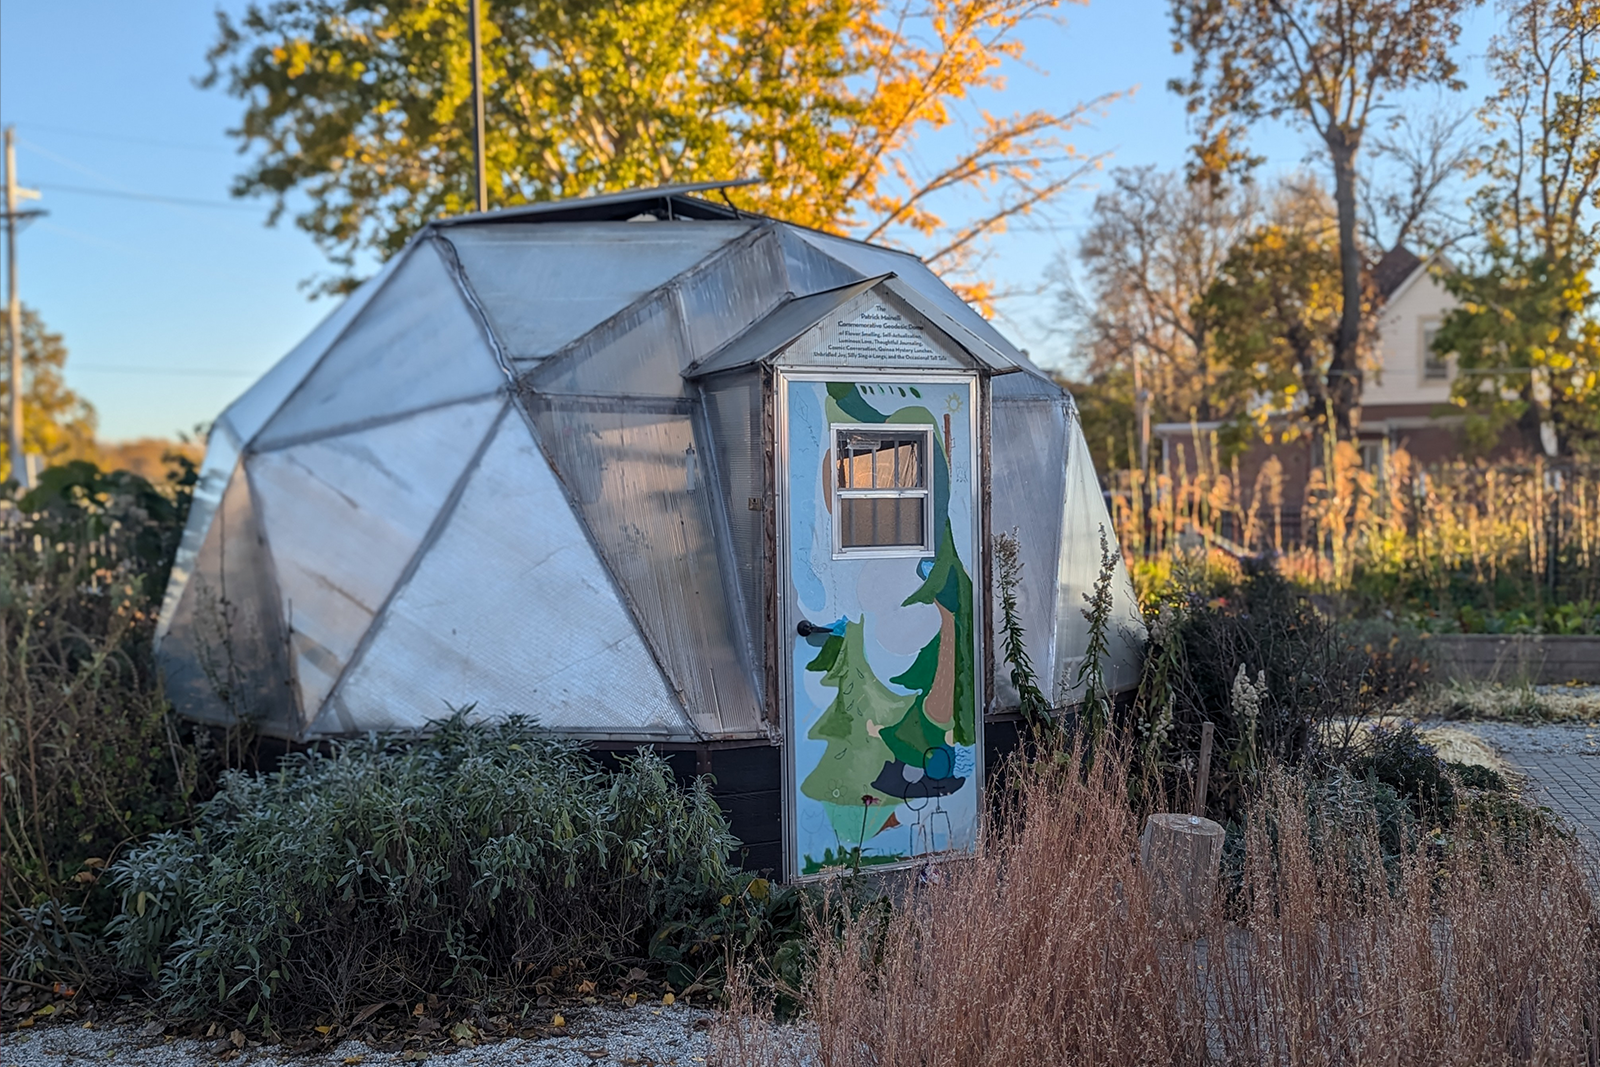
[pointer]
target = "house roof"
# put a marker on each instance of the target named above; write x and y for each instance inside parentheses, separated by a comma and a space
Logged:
(1391, 272)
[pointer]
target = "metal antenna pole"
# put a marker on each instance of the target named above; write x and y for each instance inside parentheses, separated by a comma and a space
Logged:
(477, 108)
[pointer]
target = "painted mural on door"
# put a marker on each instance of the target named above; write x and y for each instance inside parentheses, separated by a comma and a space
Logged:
(883, 637)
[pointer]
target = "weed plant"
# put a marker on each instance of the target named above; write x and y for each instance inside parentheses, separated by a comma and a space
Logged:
(1281, 681)
(91, 758)
(465, 865)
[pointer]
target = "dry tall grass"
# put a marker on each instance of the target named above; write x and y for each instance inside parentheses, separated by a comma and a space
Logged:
(1533, 526)
(1045, 949)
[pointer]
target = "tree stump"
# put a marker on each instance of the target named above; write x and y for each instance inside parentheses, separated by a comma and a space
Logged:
(1183, 855)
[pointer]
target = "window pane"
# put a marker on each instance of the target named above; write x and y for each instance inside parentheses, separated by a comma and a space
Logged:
(878, 522)
(1434, 367)
(880, 460)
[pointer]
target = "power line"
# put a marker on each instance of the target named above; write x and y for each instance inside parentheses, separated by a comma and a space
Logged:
(151, 142)
(199, 372)
(154, 198)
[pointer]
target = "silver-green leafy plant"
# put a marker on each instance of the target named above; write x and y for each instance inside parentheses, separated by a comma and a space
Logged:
(467, 863)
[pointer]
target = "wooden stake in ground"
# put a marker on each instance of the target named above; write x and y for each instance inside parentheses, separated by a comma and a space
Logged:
(1183, 853)
(1202, 774)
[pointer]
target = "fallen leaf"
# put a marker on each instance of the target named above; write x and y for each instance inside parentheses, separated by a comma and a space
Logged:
(237, 1038)
(558, 1021)
(585, 988)
(417, 1010)
(668, 1001)
(351, 1061)
(631, 999)
(48, 1009)
(23, 1024)
(151, 1029)
(368, 1012)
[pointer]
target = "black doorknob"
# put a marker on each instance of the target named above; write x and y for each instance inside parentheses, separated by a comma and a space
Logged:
(807, 628)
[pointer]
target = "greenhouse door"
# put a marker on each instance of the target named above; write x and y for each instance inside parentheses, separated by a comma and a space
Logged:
(881, 631)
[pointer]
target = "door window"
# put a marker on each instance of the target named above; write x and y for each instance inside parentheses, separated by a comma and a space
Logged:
(881, 494)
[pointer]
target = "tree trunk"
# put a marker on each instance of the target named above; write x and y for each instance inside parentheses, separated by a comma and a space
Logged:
(1344, 371)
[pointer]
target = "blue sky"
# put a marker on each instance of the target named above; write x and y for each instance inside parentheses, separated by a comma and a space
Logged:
(170, 309)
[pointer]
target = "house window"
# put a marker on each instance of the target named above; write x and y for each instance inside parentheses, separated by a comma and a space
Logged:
(881, 494)
(1435, 367)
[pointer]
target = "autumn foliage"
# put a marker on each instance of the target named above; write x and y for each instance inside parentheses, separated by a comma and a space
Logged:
(366, 109)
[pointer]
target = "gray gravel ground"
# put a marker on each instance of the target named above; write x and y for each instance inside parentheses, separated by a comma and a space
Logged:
(1526, 744)
(608, 1037)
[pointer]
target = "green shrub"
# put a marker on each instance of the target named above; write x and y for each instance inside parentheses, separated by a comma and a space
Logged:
(1274, 672)
(1484, 779)
(465, 864)
(1398, 757)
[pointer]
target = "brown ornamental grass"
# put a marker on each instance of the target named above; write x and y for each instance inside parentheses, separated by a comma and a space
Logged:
(1050, 947)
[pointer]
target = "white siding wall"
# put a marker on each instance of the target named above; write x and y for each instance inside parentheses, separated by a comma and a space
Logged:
(1416, 308)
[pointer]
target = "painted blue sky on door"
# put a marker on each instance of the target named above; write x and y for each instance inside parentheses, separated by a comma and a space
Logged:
(885, 694)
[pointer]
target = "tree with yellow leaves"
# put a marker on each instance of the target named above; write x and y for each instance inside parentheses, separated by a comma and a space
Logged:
(57, 424)
(365, 109)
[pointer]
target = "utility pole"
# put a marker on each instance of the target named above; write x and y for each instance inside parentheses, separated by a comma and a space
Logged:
(14, 219)
(477, 108)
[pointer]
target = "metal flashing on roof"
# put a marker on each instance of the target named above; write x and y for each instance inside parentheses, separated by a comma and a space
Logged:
(779, 329)
(792, 319)
(614, 207)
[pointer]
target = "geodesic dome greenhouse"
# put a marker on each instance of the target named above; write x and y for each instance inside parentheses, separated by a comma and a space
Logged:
(649, 469)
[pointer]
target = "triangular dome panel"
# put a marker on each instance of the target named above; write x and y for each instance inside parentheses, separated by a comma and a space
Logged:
(544, 285)
(223, 658)
(416, 345)
(261, 401)
(542, 632)
(345, 515)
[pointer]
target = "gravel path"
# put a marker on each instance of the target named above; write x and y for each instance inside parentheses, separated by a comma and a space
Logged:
(608, 1037)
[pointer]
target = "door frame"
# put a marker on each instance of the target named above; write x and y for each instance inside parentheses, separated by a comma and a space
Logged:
(783, 606)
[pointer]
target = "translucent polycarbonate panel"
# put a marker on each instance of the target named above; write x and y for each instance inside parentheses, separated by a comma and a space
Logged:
(509, 610)
(222, 659)
(639, 353)
(544, 285)
(739, 451)
(1084, 518)
(1025, 384)
(415, 345)
(343, 517)
(216, 471)
(1027, 483)
(809, 270)
(721, 299)
(261, 401)
(871, 260)
(635, 470)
